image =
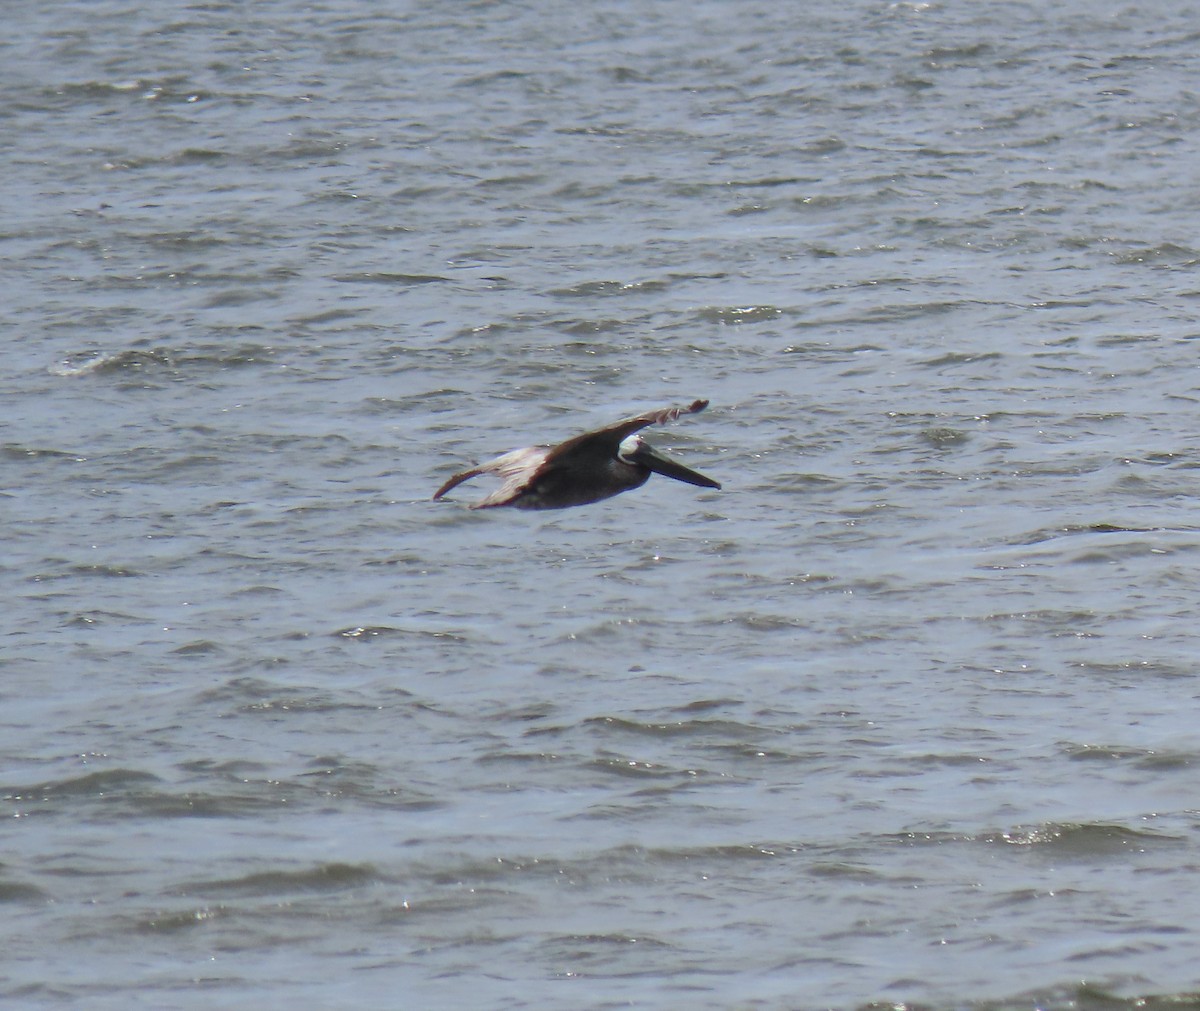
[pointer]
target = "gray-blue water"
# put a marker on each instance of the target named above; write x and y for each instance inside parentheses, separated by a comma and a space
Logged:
(905, 714)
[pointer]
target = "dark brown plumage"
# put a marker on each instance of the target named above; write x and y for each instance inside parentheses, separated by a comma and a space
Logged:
(585, 469)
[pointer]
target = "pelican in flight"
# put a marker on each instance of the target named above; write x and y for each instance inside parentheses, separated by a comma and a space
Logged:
(587, 468)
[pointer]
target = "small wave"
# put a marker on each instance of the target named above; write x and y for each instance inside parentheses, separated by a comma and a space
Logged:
(731, 729)
(941, 437)
(98, 362)
(104, 571)
(387, 277)
(738, 315)
(13, 452)
(201, 647)
(596, 289)
(961, 358)
(1091, 839)
(1081, 840)
(1045, 534)
(93, 784)
(369, 633)
(1145, 758)
(1166, 252)
(333, 877)
(166, 359)
(15, 891)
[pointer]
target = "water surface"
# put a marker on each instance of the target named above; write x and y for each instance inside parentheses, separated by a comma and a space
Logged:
(903, 714)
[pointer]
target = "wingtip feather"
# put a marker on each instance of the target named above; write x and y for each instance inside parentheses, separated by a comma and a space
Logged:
(454, 482)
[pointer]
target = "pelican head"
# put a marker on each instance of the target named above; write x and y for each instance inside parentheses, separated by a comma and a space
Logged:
(637, 452)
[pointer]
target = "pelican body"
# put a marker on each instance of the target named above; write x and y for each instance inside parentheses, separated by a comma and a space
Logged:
(585, 469)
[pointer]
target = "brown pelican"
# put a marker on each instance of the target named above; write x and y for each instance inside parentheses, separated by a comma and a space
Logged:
(584, 469)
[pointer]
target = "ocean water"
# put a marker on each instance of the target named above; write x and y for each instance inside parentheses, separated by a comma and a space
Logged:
(904, 715)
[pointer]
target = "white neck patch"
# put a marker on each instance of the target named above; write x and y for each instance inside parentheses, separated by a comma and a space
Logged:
(629, 445)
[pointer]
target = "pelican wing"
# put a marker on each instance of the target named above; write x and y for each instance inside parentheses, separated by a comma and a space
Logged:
(517, 469)
(614, 435)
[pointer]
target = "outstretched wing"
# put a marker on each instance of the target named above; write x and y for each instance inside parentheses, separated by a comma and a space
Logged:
(521, 468)
(516, 469)
(613, 435)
